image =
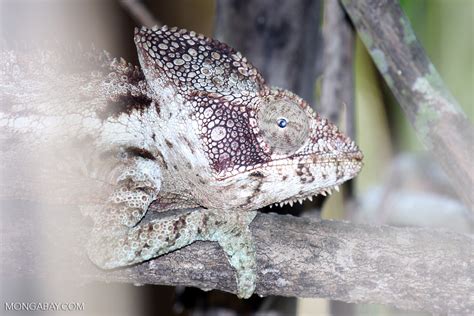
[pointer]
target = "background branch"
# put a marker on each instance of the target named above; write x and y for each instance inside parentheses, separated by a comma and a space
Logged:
(337, 101)
(140, 13)
(411, 268)
(438, 120)
(337, 95)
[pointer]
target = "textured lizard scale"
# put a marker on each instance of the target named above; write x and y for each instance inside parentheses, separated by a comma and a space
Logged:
(194, 133)
(196, 63)
(221, 85)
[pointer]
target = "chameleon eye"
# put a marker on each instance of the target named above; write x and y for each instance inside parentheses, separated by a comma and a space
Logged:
(282, 122)
(291, 129)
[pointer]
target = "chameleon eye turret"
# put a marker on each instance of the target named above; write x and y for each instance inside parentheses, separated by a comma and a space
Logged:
(284, 125)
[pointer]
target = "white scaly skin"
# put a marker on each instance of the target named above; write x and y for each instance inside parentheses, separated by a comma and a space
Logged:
(196, 126)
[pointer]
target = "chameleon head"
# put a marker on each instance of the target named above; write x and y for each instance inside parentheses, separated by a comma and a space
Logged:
(261, 145)
(308, 154)
(279, 151)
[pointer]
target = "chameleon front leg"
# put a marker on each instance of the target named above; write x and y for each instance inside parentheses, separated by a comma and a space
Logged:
(231, 230)
(119, 239)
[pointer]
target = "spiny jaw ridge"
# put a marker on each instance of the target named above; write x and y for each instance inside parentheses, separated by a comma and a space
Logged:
(325, 192)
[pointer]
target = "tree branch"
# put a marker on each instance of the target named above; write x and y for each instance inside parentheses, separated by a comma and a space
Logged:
(338, 83)
(337, 92)
(140, 13)
(411, 268)
(437, 118)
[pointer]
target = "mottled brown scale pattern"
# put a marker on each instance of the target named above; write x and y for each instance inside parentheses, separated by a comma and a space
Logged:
(124, 104)
(196, 63)
(238, 116)
(126, 90)
(140, 152)
(228, 137)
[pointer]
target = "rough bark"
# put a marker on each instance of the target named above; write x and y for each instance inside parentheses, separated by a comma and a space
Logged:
(410, 268)
(435, 115)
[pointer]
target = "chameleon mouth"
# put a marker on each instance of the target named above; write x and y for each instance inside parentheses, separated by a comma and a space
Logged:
(290, 201)
(353, 164)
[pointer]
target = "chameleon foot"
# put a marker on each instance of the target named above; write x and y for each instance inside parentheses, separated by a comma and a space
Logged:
(231, 231)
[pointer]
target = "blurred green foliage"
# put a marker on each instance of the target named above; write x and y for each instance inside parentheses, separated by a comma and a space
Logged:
(445, 28)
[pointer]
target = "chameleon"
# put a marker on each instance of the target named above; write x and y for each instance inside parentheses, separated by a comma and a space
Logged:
(193, 134)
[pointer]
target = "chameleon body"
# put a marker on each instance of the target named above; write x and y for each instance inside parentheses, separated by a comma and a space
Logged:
(194, 132)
